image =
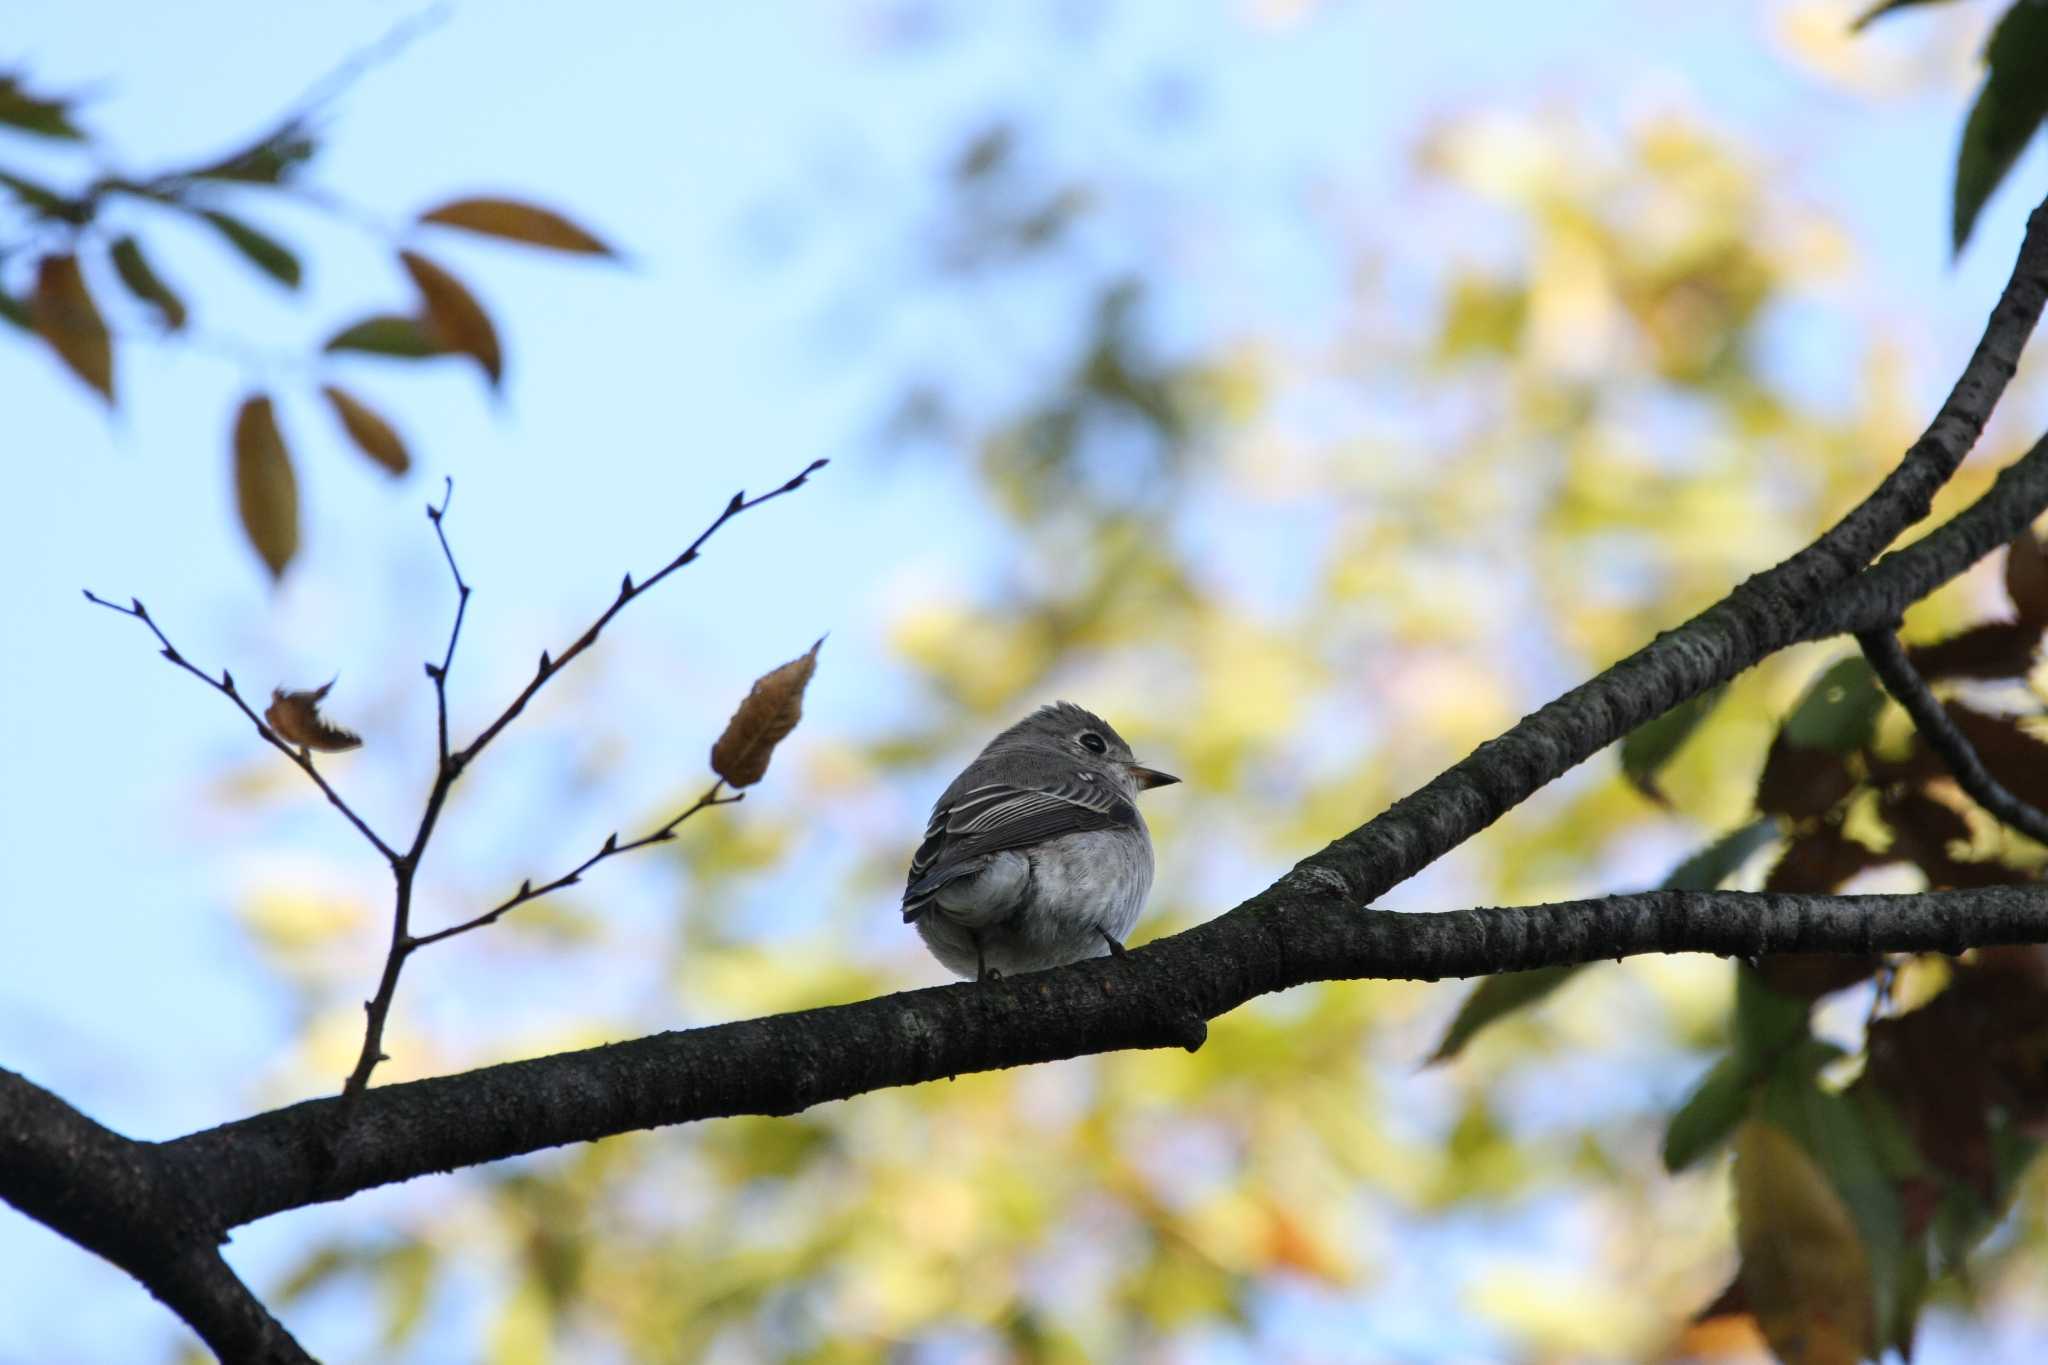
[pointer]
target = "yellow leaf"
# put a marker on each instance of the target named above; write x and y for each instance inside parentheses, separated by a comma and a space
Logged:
(63, 313)
(454, 317)
(266, 490)
(1805, 1274)
(374, 436)
(765, 718)
(518, 222)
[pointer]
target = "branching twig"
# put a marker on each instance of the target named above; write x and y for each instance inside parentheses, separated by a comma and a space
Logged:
(225, 685)
(120, 1199)
(1888, 660)
(452, 764)
(1876, 598)
(612, 848)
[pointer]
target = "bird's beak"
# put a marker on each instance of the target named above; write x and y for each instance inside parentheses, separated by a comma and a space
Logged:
(1147, 778)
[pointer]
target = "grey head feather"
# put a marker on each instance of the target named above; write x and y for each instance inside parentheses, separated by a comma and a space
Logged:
(1036, 781)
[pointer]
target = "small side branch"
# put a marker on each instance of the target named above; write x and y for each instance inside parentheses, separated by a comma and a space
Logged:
(1888, 660)
(550, 665)
(612, 848)
(225, 685)
(439, 672)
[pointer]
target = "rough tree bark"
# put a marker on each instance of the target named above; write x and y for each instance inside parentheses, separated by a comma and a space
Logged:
(160, 1210)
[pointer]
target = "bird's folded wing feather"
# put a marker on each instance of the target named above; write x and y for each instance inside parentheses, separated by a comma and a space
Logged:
(998, 816)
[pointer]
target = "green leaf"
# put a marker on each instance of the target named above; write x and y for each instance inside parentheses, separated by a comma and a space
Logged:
(15, 311)
(1718, 861)
(1861, 1145)
(1839, 711)
(1501, 995)
(1879, 11)
(265, 253)
(2009, 110)
(36, 114)
(1767, 1024)
(267, 162)
(1708, 1115)
(1497, 996)
(1654, 743)
(145, 284)
(391, 334)
(47, 202)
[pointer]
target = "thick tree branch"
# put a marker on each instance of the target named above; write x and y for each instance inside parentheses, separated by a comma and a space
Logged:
(1762, 616)
(1157, 996)
(1888, 660)
(114, 1197)
(1876, 598)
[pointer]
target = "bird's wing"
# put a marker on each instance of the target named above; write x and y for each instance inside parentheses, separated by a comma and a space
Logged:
(999, 815)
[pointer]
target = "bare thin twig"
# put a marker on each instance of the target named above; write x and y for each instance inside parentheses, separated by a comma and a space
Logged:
(612, 848)
(225, 685)
(628, 591)
(1888, 660)
(453, 762)
(439, 673)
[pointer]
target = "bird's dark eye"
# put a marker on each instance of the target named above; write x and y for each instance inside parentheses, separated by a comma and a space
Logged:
(1093, 742)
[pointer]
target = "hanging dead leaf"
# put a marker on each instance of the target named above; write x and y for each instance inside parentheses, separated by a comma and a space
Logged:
(454, 317)
(770, 711)
(374, 436)
(517, 222)
(1801, 781)
(296, 718)
(64, 315)
(266, 490)
(1995, 649)
(1975, 1054)
(1805, 1274)
(2012, 754)
(1820, 860)
(2026, 577)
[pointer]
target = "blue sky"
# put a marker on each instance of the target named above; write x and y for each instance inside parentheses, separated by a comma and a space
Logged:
(772, 172)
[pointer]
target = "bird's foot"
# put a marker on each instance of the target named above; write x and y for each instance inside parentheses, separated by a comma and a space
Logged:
(1115, 949)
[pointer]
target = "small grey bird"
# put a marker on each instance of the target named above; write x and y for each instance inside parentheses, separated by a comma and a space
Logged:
(1036, 856)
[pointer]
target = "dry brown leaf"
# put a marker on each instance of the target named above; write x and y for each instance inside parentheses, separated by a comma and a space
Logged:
(454, 316)
(2026, 577)
(770, 711)
(63, 314)
(517, 222)
(374, 436)
(266, 490)
(1805, 1274)
(296, 718)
